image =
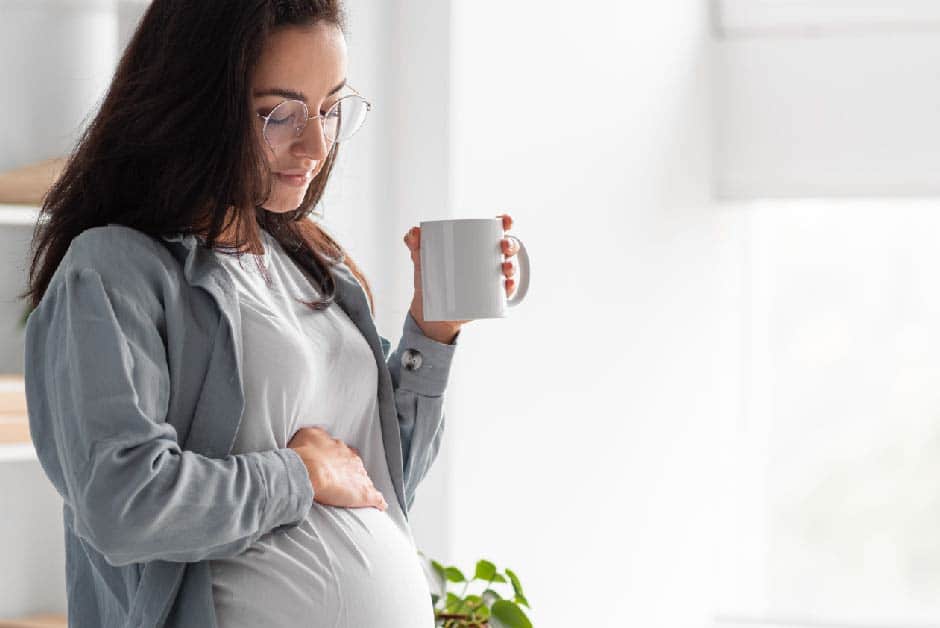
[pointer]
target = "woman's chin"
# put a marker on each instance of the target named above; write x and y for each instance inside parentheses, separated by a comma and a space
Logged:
(282, 205)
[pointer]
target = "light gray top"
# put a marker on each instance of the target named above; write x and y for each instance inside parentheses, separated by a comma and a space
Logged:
(134, 389)
(340, 567)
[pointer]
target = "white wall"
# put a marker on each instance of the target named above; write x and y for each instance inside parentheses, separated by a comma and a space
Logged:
(588, 428)
(838, 114)
(49, 89)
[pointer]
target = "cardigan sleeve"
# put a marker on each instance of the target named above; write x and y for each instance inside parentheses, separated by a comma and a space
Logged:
(98, 387)
(419, 400)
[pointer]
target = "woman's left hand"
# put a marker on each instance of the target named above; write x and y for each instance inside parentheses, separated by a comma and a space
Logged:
(446, 331)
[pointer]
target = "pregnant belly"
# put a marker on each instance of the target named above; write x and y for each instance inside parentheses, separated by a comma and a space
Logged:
(338, 568)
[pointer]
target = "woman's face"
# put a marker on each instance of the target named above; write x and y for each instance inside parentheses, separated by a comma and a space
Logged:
(307, 64)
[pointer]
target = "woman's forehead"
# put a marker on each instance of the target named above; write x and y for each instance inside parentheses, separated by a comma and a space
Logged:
(309, 59)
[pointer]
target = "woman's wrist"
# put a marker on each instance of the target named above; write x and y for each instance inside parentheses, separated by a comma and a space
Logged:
(440, 331)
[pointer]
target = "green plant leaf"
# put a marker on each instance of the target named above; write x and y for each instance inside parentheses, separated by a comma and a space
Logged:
(516, 586)
(453, 602)
(520, 599)
(474, 601)
(490, 596)
(505, 614)
(485, 570)
(454, 575)
(498, 578)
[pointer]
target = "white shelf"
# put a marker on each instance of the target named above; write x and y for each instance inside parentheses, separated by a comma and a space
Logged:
(18, 215)
(16, 452)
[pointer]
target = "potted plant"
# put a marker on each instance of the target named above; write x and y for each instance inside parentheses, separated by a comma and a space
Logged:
(485, 609)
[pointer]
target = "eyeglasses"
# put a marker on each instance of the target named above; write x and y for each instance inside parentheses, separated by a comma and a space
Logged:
(287, 121)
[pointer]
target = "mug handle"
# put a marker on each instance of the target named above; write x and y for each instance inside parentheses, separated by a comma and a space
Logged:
(523, 286)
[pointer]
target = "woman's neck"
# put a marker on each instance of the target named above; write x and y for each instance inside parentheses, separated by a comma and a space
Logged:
(227, 237)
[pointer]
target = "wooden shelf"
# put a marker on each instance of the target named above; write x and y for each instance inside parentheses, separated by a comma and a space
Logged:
(14, 429)
(36, 621)
(27, 185)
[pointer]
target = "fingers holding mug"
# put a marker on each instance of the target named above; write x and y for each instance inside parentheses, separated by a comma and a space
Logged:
(510, 246)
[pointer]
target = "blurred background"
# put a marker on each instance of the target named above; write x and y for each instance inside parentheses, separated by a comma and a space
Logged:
(719, 406)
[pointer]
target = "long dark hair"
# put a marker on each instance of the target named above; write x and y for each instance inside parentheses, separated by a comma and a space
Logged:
(171, 147)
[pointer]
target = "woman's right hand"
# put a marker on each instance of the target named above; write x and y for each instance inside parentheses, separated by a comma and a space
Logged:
(336, 471)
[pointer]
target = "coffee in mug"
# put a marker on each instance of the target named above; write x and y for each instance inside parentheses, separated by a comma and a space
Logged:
(461, 269)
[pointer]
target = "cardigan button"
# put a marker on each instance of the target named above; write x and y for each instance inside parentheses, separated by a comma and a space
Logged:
(411, 359)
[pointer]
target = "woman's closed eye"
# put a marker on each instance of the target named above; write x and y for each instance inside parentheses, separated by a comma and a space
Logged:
(333, 114)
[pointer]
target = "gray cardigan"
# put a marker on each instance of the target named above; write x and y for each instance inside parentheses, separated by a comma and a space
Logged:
(133, 385)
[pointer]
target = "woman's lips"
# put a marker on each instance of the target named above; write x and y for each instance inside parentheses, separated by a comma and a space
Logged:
(295, 180)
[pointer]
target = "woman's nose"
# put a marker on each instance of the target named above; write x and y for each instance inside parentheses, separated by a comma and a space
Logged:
(312, 142)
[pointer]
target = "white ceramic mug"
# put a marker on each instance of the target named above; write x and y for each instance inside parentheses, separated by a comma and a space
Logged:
(461, 269)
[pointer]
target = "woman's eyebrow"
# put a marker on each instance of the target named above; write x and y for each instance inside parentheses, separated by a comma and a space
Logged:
(289, 93)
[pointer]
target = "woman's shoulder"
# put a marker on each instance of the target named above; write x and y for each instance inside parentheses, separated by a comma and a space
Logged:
(128, 260)
(115, 248)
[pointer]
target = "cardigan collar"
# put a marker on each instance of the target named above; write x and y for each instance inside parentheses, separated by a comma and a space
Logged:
(208, 434)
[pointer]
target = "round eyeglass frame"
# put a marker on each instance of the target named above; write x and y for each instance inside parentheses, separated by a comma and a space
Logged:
(298, 132)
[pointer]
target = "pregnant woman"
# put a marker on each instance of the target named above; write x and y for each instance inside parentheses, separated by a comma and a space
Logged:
(234, 442)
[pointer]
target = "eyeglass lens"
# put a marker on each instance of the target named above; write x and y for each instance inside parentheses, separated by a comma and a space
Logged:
(287, 121)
